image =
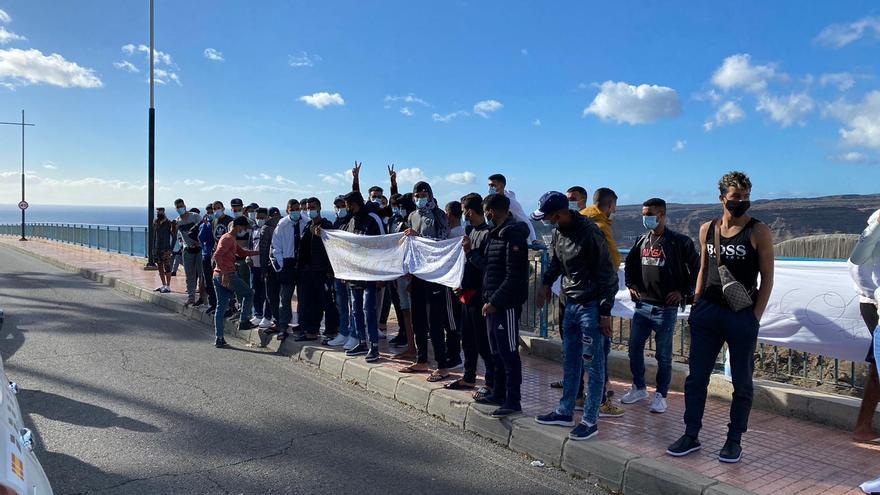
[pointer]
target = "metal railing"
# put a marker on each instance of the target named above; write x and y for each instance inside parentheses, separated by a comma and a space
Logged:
(121, 239)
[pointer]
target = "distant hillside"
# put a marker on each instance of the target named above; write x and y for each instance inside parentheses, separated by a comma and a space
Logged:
(788, 218)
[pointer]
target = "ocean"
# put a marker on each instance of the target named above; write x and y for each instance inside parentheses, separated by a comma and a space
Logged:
(95, 215)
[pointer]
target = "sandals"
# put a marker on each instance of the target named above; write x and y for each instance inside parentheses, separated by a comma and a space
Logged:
(459, 385)
(411, 370)
(436, 377)
(482, 393)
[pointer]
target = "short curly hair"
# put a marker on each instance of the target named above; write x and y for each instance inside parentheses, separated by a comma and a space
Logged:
(735, 179)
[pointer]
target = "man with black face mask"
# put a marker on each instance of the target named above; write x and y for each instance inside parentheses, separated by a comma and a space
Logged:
(745, 250)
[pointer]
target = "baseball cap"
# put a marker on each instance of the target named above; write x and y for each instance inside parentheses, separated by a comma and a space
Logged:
(236, 202)
(253, 206)
(550, 202)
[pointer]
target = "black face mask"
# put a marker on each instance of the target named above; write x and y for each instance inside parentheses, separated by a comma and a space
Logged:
(737, 208)
(160, 216)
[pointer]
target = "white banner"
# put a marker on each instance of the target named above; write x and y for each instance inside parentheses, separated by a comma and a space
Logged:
(814, 308)
(389, 257)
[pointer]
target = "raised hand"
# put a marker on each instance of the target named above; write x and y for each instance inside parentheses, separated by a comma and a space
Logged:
(392, 173)
(356, 171)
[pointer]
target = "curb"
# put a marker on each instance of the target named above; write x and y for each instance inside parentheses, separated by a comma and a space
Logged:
(611, 467)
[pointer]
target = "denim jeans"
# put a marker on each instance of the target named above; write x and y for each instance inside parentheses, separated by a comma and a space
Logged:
(711, 326)
(346, 325)
(192, 266)
(365, 313)
(584, 347)
(238, 288)
(259, 286)
(660, 319)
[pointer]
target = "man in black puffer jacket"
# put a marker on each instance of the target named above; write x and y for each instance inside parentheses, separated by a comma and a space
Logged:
(316, 276)
(579, 252)
(505, 290)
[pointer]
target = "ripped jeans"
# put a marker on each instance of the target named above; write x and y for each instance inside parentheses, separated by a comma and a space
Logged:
(584, 346)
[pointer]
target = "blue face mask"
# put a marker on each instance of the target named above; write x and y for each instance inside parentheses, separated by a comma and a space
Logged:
(421, 202)
(395, 211)
(293, 216)
(573, 205)
(236, 214)
(493, 190)
(489, 221)
(342, 212)
(261, 222)
(650, 222)
(313, 214)
(218, 213)
(181, 211)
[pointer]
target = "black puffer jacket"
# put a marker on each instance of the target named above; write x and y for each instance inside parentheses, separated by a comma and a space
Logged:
(312, 254)
(506, 272)
(580, 253)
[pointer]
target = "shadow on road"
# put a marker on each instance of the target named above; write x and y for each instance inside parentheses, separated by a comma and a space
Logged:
(60, 408)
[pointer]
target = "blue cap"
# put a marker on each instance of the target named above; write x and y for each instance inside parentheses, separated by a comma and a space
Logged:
(550, 202)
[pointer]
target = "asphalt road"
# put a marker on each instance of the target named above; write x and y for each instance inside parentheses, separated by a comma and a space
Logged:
(124, 397)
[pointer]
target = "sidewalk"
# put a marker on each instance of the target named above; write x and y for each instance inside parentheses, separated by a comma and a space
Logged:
(782, 455)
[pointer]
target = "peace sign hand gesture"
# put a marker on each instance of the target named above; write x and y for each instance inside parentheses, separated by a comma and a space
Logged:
(392, 173)
(357, 169)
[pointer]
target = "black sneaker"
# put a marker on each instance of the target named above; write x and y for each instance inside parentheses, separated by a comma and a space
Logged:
(490, 400)
(505, 411)
(684, 446)
(731, 453)
(360, 350)
(583, 432)
(556, 384)
(219, 343)
(398, 341)
(245, 325)
(373, 355)
(228, 313)
(555, 419)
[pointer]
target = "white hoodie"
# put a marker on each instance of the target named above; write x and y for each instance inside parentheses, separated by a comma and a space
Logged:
(516, 210)
(865, 262)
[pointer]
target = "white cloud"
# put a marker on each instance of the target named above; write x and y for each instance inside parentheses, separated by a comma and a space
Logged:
(24, 67)
(322, 99)
(626, 103)
(461, 178)
(410, 98)
(485, 107)
(861, 121)
(842, 34)
(212, 54)
(786, 110)
(410, 175)
(679, 145)
(9, 36)
(728, 113)
(843, 80)
(850, 157)
(162, 76)
(436, 117)
(193, 182)
(4, 17)
(524, 52)
(737, 71)
(49, 165)
(126, 66)
(284, 181)
(159, 56)
(329, 179)
(303, 60)
(407, 111)
(128, 49)
(536, 122)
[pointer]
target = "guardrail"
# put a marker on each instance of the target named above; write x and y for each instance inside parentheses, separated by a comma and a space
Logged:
(123, 239)
(771, 362)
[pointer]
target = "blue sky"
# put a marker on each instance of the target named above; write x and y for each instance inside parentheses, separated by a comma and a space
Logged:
(649, 98)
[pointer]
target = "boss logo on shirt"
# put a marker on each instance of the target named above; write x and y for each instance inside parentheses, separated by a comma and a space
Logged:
(730, 250)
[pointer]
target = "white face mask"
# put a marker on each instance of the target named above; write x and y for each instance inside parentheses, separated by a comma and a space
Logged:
(573, 205)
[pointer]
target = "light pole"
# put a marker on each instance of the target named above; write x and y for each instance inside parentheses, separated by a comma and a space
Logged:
(151, 157)
(23, 205)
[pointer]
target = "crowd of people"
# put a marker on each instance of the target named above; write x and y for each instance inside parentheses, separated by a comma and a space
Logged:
(247, 264)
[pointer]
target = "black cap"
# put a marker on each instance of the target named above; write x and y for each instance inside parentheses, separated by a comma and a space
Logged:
(195, 210)
(236, 202)
(550, 202)
(209, 207)
(339, 199)
(273, 211)
(253, 206)
(241, 222)
(354, 197)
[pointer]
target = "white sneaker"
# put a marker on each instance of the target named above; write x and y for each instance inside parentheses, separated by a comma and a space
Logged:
(256, 320)
(265, 323)
(351, 343)
(382, 335)
(658, 405)
(338, 340)
(634, 395)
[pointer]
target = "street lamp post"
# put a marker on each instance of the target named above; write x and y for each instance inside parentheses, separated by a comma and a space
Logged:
(23, 205)
(151, 163)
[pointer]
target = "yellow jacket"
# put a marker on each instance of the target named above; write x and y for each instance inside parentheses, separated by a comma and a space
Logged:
(595, 214)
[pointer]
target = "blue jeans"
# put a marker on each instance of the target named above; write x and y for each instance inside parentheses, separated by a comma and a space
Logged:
(660, 319)
(365, 313)
(237, 287)
(259, 287)
(346, 325)
(584, 346)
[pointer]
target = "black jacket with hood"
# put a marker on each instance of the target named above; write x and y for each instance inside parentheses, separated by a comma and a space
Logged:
(681, 268)
(506, 269)
(430, 221)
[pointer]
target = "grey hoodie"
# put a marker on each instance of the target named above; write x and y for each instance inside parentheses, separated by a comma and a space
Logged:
(429, 221)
